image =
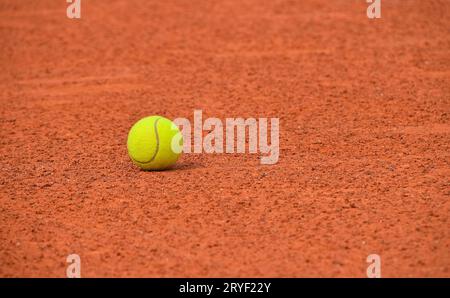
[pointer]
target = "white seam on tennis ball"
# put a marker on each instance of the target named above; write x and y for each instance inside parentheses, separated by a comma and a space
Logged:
(155, 126)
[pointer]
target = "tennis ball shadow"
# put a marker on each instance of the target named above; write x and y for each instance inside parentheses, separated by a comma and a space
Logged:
(178, 167)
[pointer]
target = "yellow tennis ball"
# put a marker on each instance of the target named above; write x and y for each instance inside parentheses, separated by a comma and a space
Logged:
(154, 143)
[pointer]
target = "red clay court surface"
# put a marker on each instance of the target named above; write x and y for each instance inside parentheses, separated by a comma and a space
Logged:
(364, 108)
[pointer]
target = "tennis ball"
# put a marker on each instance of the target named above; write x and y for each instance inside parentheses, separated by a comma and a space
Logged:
(154, 143)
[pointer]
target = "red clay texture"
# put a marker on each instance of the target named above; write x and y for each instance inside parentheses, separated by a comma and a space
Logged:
(364, 109)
